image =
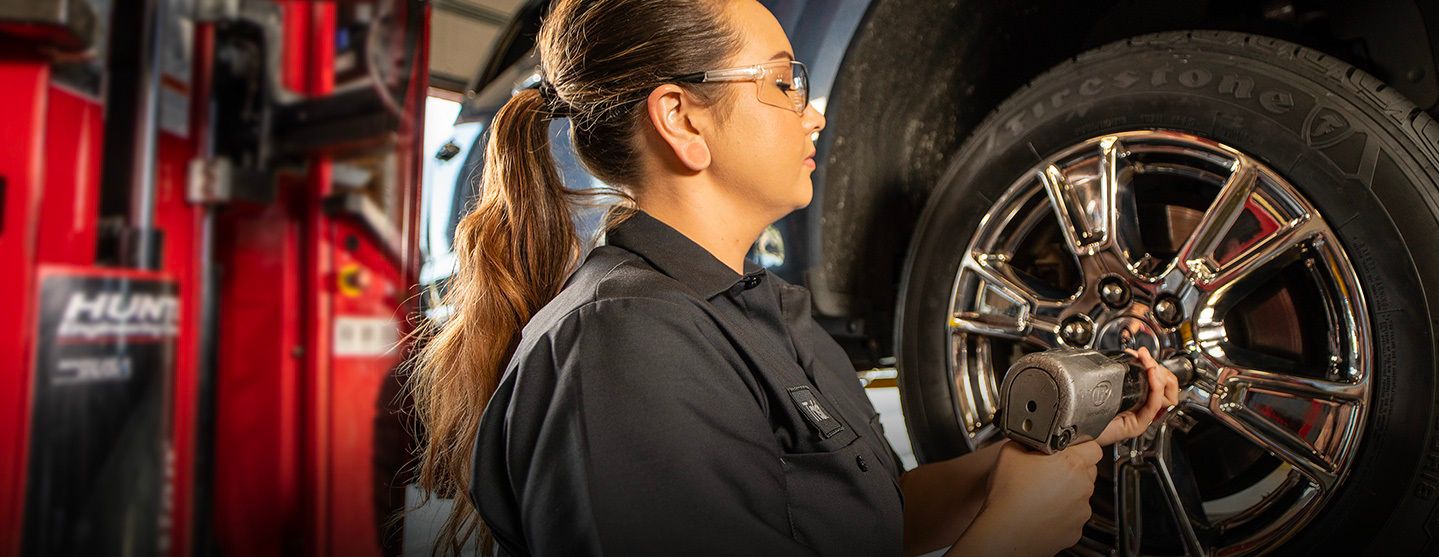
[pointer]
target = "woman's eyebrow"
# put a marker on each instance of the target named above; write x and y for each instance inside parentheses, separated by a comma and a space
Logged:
(783, 54)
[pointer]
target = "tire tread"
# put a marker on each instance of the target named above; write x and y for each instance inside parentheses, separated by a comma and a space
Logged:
(1420, 131)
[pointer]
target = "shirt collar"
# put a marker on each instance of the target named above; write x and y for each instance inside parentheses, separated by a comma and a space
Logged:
(674, 254)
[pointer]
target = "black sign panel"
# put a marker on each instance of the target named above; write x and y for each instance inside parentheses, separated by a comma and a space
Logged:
(99, 434)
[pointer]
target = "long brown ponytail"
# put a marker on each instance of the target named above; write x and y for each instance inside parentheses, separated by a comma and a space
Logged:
(517, 247)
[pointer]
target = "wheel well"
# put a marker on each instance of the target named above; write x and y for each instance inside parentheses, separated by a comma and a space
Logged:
(919, 75)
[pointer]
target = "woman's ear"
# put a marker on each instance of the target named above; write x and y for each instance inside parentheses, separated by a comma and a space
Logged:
(680, 123)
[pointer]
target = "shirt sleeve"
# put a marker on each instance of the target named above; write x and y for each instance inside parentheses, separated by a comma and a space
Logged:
(651, 443)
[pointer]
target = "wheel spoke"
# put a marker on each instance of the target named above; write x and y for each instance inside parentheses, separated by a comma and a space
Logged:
(1222, 212)
(986, 375)
(974, 378)
(1299, 420)
(1293, 386)
(1128, 503)
(1246, 234)
(1067, 208)
(1280, 443)
(1123, 210)
(1006, 307)
(1097, 211)
(1041, 332)
(1253, 268)
(1181, 492)
(1156, 457)
(964, 384)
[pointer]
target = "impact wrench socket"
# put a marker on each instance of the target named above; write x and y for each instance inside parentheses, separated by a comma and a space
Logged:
(1050, 400)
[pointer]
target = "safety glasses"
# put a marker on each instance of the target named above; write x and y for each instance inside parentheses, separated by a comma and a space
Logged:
(782, 83)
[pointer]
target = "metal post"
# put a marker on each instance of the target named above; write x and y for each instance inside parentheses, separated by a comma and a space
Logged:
(143, 249)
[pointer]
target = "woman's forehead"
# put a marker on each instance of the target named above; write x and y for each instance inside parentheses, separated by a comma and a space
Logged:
(761, 33)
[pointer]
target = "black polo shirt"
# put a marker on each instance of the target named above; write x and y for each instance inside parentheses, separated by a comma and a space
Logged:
(663, 404)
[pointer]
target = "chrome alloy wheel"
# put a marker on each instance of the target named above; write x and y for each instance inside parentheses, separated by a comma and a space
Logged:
(1186, 246)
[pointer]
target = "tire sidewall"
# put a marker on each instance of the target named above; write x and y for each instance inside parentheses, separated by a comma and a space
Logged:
(1365, 179)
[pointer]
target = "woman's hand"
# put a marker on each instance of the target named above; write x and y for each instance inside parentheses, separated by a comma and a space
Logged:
(1163, 394)
(1037, 504)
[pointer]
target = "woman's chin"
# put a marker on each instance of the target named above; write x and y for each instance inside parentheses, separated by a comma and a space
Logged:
(806, 198)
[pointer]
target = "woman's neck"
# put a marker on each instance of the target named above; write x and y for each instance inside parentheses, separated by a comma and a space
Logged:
(725, 230)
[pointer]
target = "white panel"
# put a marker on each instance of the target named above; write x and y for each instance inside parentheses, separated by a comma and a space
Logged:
(365, 336)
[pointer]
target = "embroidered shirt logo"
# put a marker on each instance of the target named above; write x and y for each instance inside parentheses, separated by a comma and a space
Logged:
(814, 413)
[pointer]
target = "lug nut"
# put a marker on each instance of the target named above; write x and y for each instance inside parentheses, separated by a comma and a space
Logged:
(1077, 331)
(1168, 312)
(1114, 292)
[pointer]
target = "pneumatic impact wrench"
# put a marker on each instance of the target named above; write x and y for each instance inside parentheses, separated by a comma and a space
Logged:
(1052, 399)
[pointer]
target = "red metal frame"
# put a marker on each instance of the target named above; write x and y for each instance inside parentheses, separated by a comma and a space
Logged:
(295, 423)
(174, 212)
(51, 162)
(181, 222)
(313, 446)
(21, 164)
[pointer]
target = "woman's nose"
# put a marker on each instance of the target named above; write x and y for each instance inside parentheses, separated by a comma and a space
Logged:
(813, 120)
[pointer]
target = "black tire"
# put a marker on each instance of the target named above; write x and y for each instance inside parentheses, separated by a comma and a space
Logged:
(1376, 185)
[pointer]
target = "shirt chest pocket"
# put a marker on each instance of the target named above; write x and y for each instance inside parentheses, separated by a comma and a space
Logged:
(843, 502)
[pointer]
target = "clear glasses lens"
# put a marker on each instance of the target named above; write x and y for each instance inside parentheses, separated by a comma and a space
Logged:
(799, 86)
(785, 86)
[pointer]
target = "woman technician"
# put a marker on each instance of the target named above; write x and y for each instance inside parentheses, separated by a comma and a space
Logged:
(668, 397)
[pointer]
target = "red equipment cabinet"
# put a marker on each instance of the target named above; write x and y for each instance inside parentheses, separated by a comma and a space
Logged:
(249, 185)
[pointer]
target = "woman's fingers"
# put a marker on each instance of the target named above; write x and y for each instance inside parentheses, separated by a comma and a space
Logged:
(1161, 394)
(1126, 425)
(1157, 399)
(1163, 385)
(1145, 358)
(1171, 389)
(1089, 453)
(1163, 388)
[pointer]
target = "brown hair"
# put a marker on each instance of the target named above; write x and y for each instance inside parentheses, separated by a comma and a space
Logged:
(600, 59)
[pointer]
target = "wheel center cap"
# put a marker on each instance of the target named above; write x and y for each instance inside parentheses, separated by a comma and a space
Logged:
(1126, 333)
